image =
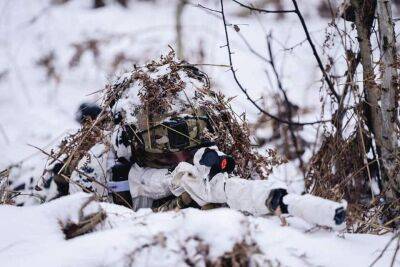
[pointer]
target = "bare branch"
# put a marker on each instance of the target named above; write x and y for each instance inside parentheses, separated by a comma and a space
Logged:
(264, 10)
(385, 249)
(209, 9)
(326, 77)
(303, 24)
(245, 90)
(289, 105)
(252, 50)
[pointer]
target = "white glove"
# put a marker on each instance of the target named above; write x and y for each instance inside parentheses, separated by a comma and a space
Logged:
(187, 177)
(183, 169)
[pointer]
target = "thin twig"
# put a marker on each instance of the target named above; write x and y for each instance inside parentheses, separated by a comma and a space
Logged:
(264, 10)
(271, 61)
(209, 9)
(245, 90)
(384, 250)
(395, 252)
(303, 24)
(326, 77)
(252, 50)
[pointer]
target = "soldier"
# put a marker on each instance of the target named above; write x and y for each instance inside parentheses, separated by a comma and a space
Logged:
(160, 148)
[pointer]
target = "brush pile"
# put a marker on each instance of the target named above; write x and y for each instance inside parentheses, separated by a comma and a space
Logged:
(340, 170)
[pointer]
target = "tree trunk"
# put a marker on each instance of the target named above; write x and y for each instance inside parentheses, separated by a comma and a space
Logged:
(364, 16)
(178, 26)
(389, 96)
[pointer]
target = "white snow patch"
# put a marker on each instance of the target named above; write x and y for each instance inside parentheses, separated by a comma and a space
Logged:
(32, 236)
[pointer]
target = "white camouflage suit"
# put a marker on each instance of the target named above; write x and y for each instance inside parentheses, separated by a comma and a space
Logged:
(149, 184)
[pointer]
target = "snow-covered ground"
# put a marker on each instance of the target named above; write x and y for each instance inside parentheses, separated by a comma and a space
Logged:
(32, 236)
(40, 111)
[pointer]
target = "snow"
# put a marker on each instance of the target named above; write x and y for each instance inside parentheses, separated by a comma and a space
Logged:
(39, 111)
(145, 238)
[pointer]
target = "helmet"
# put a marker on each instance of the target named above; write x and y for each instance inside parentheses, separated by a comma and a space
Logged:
(160, 104)
(171, 140)
(172, 134)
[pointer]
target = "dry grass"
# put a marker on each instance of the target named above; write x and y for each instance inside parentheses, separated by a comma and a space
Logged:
(5, 197)
(340, 170)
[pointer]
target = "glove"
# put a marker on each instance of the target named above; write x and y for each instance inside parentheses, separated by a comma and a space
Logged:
(205, 180)
(187, 178)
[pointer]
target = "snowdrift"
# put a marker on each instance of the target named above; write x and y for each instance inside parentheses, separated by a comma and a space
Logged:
(33, 236)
